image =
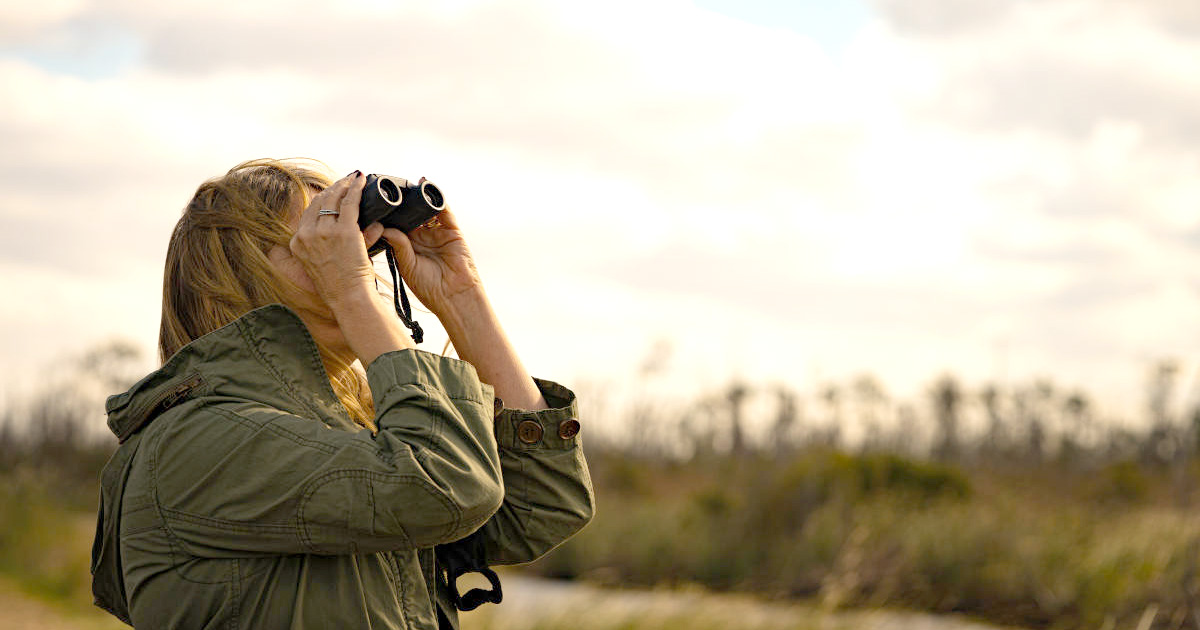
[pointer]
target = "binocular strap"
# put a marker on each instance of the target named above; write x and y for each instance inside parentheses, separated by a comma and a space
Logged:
(400, 297)
(468, 555)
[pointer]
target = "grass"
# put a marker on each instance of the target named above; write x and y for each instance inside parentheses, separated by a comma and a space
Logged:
(815, 533)
(45, 537)
(1045, 546)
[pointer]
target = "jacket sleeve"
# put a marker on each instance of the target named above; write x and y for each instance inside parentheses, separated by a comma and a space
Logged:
(265, 481)
(548, 493)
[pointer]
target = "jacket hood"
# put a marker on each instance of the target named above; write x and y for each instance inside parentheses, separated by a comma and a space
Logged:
(266, 355)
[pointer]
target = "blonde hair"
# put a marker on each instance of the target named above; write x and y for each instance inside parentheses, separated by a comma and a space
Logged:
(218, 267)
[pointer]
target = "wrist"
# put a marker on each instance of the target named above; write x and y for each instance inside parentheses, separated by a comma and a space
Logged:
(352, 301)
(468, 301)
(475, 331)
(369, 326)
(466, 315)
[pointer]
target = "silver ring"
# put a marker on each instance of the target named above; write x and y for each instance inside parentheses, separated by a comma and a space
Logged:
(327, 211)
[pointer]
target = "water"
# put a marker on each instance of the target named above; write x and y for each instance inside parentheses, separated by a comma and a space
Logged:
(535, 603)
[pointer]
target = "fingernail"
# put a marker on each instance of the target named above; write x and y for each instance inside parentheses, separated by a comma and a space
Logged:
(358, 173)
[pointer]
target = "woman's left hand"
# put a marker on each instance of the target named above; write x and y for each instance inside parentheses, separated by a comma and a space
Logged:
(435, 262)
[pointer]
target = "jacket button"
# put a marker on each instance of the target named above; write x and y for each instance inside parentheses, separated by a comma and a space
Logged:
(568, 428)
(529, 432)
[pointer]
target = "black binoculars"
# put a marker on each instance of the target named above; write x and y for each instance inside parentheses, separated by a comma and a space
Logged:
(398, 203)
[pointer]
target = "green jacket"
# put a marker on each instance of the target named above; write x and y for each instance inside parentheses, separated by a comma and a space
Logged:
(242, 495)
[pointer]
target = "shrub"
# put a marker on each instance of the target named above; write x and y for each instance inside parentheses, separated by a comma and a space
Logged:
(43, 541)
(1122, 483)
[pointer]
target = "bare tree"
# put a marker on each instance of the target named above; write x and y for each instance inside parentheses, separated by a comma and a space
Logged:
(995, 440)
(1077, 415)
(831, 396)
(114, 365)
(1163, 444)
(947, 408)
(736, 398)
(787, 416)
(871, 400)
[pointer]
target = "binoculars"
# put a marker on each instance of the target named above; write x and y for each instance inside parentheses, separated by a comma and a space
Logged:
(398, 203)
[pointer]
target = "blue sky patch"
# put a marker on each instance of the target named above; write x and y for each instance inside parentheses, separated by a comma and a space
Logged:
(85, 48)
(832, 23)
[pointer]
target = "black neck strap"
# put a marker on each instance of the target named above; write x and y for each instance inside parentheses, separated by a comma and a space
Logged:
(400, 297)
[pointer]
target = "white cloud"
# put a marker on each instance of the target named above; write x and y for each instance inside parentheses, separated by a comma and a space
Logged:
(959, 174)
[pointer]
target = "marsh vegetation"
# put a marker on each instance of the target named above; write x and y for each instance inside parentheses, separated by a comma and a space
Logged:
(1020, 505)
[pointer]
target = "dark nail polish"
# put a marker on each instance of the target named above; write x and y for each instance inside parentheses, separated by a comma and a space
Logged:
(358, 173)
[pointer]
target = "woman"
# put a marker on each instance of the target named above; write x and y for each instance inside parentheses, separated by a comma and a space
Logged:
(266, 480)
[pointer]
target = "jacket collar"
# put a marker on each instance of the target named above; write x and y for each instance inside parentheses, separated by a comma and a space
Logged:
(266, 355)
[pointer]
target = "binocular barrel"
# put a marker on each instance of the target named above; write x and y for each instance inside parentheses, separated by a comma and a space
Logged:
(398, 203)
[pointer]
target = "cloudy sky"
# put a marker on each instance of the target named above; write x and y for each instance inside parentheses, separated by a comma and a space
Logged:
(776, 191)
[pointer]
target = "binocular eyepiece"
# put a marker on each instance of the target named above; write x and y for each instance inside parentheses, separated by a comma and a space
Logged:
(398, 203)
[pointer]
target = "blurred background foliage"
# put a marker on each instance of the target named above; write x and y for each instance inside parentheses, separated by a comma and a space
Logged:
(1018, 504)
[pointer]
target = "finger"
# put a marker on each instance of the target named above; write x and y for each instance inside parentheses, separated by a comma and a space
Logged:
(336, 193)
(372, 234)
(444, 219)
(327, 198)
(403, 248)
(348, 205)
(308, 216)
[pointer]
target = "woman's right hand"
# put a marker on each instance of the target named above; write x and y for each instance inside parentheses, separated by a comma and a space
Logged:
(333, 252)
(331, 247)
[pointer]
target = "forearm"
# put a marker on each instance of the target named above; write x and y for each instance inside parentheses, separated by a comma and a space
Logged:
(548, 492)
(369, 326)
(479, 339)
